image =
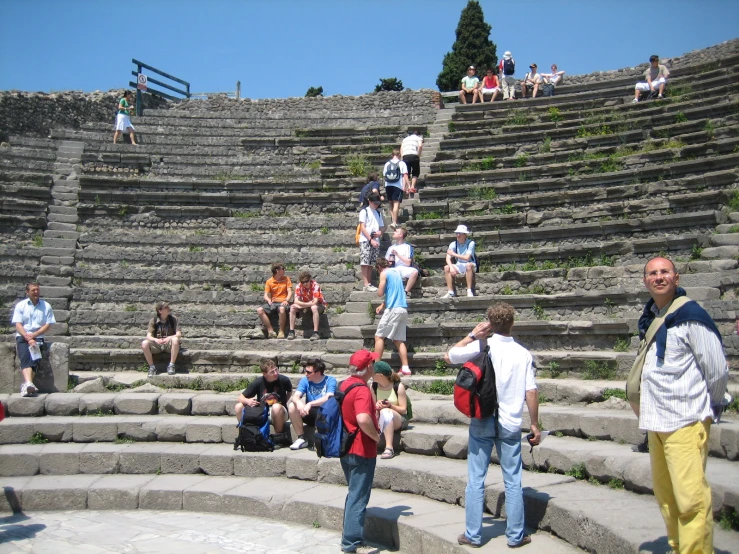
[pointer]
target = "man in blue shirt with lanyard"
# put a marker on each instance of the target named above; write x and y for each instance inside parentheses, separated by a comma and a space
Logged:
(32, 318)
(395, 319)
(316, 388)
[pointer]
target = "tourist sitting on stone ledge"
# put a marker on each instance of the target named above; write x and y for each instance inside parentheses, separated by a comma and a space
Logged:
(308, 298)
(400, 256)
(460, 260)
(489, 85)
(391, 403)
(551, 80)
(32, 317)
(316, 388)
(163, 335)
(272, 390)
(655, 80)
(277, 293)
(470, 85)
(531, 82)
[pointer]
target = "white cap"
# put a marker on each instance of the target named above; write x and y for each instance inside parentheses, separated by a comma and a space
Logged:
(462, 229)
(507, 55)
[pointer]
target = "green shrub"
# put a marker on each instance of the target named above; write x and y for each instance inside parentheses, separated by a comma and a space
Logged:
(38, 438)
(546, 145)
(618, 393)
(482, 193)
(451, 126)
(539, 312)
(38, 241)
(599, 370)
(729, 519)
(555, 115)
(517, 118)
(621, 345)
(358, 166)
(680, 117)
(521, 160)
(554, 370)
(616, 484)
(695, 252)
(577, 471)
(437, 386)
(734, 201)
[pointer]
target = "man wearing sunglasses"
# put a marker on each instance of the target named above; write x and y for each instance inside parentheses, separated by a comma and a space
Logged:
(316, 388)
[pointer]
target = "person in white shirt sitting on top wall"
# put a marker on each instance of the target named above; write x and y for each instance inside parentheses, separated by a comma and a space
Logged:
(460, 261)
(551, 80)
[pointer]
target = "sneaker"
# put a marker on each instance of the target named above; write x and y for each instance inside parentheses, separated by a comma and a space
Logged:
(449, 294)
(315, 336)
(170, 369)
(470, 293)
(152, 371)
(524, 541)
(30, 389)
(281, 335)
(464, 541)
(366, 549)
(370, 288)
(272, 335)
(24, 390)
(405, 370)
(660, 97)
(635, 101)
(299, 443)
(291, 335)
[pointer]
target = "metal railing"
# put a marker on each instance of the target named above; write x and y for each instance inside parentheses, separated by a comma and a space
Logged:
(139, 67)
(228, 94)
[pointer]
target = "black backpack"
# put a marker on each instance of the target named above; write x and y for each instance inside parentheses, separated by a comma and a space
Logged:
(509, 67)
(254, 430)
(364, 193)
(392, 174)
(472, 260)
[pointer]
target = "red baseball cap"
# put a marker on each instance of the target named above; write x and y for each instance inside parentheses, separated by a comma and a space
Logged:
(361, 359)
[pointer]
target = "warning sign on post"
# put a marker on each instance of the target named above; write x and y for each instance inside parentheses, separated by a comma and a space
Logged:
(142, 82)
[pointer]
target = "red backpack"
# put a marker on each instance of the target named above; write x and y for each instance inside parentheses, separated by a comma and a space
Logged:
(475, 394)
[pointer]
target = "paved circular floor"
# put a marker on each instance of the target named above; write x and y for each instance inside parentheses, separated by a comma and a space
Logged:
(93, 532)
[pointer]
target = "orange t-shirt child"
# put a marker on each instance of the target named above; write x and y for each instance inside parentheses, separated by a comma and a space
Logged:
(277, 290)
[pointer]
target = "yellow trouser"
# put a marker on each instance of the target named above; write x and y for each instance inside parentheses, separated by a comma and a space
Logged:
(680, 486)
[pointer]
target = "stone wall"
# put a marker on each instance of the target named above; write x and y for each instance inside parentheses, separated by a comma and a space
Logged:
(35, 113)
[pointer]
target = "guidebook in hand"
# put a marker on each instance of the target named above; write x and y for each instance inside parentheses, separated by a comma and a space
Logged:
(270, 398)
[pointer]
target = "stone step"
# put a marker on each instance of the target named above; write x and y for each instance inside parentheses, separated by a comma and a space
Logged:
(63, 218)
(424, 524)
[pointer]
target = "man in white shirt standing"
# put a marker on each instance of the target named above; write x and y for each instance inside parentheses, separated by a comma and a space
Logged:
(515, 383)
(400, 256)
(371, 227)
(32, 318)
(410, 150)
(683, 382)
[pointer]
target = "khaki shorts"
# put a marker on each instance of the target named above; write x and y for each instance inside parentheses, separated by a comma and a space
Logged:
(157, 348)
(393, 324)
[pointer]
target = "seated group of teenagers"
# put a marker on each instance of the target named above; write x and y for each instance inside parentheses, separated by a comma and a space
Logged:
(274, 393)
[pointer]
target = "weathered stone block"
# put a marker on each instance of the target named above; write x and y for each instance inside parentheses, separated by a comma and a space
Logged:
(218, 460)
(176, 403)
(30, 406)
(171, 431)
(209, 404)
(116, 492)
(99, 458)
(60, 459)
(456, 447)
(421, 444)
(141, 431)
(48, 492)
(303, 465)
(182, 459)
(202, 430)
(132, 403)
(93, 403)
(141, 458)
(16, 431)
(20, 459)
(63, 404)
(164, 492)
(54, 431)
(94, 431)
(259, 464)
(207, 496)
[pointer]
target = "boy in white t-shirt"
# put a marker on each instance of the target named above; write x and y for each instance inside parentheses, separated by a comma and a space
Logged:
(371, 227)
(401, 255)
(460, 261)
(395, 174)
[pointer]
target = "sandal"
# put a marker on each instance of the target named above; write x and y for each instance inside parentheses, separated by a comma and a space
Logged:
(388, 454)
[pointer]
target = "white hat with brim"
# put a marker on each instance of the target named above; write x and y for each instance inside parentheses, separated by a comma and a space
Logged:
(507, 55)
(462, 229)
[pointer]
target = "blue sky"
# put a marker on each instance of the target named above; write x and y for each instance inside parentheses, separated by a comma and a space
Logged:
(279, 48)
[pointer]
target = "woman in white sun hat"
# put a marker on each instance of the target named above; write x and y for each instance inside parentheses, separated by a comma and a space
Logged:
(460, 260)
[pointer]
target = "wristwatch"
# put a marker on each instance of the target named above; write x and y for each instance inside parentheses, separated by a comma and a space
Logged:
(472, 336)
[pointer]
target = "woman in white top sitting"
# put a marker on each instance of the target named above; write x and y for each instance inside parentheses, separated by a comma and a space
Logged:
(391, 403)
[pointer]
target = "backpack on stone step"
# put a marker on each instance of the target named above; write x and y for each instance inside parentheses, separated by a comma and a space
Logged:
(254, 430)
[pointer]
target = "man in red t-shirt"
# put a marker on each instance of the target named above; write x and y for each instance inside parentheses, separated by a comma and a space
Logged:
(358, 412)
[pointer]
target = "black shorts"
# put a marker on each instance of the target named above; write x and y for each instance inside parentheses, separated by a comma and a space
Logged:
(394, 194)
(310, 419)
(413, 164)
(24, 355)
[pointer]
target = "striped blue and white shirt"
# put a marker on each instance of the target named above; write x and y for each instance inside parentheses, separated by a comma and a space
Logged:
(692, 378)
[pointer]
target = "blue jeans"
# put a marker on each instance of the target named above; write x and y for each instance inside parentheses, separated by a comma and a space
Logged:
(359, 473)
(482, 437)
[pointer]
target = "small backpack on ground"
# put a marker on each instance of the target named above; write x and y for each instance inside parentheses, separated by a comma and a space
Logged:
(392, 173)
(475, 394)
(254, 430)
(332, 440)
(509, 67)
(408, 404)
(473, 259)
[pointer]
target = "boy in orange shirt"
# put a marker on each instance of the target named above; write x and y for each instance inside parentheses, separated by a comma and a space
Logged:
(277, 293)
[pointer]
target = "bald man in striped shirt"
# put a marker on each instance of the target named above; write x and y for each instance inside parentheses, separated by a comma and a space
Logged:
(683, 381)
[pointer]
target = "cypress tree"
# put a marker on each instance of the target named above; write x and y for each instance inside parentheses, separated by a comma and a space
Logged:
(472, 47)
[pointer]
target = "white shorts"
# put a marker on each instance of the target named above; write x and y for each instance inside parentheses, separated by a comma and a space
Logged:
(489, 90)
(644, 86)
(405, 272)
(123, 122)
(393, 324)
(462, 267)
